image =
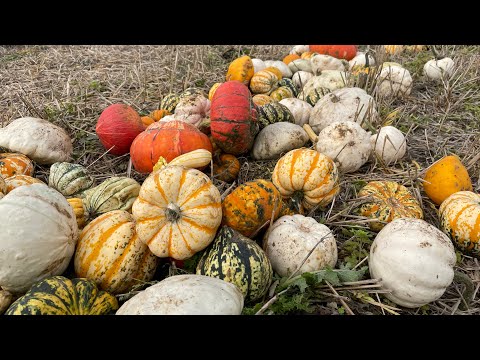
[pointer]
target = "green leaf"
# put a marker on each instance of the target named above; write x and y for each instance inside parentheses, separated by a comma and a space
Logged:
(301, 283)
(352, 275)
(332, 277)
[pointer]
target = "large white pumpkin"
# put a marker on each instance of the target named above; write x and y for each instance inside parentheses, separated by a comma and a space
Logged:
(388, 144)
(415, 261)
(318, 86)
(438, 69)
(360, 60)
(186, 295)
(38, 236)
(258, 65)
(299, 109)
(393, 81)
(300, 78)
(300, 65)
(326, 62)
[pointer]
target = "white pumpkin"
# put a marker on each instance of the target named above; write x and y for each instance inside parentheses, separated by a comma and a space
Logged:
(38, 139)
(393, 81)
(291, 238)
(415, 261)
(300, 78)
(186, 295)
(360, 60)
(438, 69)
(5, 300)
(258, 65)
(300, 49)
(193, 109)
(38, 237)
(299, 109)
(388, 144)
(326, 82)
(347, 104)
(280, 65)
(346, 143)
(277, 139)
(326, 62)
(300, 65)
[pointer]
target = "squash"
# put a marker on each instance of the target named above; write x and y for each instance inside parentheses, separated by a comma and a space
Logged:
(439, 69)
(459, 218)
(272, 113)
(300, 65)
(308, 177)
(188, 93)
(147, 120)
(415, 48)
(307, 55)
(213, 89)
(393, 81)
(292, 239)
(445, 177)
(157, 115)
(299, 49)
(79, 210)
(346, 52)
(318, 86)
(283, 92)
(194, 159)
(299, 109)
(58, 295)
(263, 82)
(389, 201)
(250, 206)
(70, 179)
(192, 109)
(239, 260)
(169, 102)
(393, 49)
(320, 63)
(300, 78)
(262, 99)
(186, 295)
(39, 233)
(110, 253)
(15, 181)
(280, 65)
(258, 65)
(360, 61)
(276, 71)
(415, 261)
(12, 164)
(226, 168)
(240, 69)
(346, 143)
(290, 57)
(177, 212)
(286, 82)
(388, 144)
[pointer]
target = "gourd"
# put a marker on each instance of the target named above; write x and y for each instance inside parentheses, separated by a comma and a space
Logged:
(300, 78)
(194, 159)
(326, 62)
(273, 113)
(212, 90)
(240, 69)
(12, 164)
(393, 81)
(437, 69)
(262, 99)
(318, 86)
(192, 109)
(169, 102)
(81, 214)
(69, 179)
(263, 82)
(226, 168)
(389, 144)
(15, 181)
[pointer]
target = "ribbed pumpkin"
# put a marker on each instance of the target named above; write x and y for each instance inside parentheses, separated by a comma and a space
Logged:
(263, 82)
(308, 177)
(289, 58)
(389, 201)
(272, 113)
(226, 167)
(262, 99)
(169, 103)
(346, 52)
(212, 90)
(58, 295)
(15, 164)
(20, 180)
(240, 69)
(110, 253)
(115, 193)
(79, 211)
(69, 179)
(147, 120)
(166, 139)
(286, 82)
(250, 206)
(177, 212)
(237, 259)
(159, 114)
(460, 219)
(283, 92)
(274, 70)
(233, 117)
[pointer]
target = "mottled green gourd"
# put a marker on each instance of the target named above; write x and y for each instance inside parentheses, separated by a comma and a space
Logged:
(169, 102)
(289, 84)
(274, 112)
(61, 296)
(236, 259)
(69, 179)
(191, 92)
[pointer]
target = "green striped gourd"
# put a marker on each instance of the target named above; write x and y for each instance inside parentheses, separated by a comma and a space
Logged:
(69, 179)
(274, 112)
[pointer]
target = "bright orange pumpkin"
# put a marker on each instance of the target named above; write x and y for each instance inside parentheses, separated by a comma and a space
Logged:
(289, 58)
(159, 114)
(147, 120)
(20, 180)
(241, 69)
(226, 167)
(15, 164)
(346, 52)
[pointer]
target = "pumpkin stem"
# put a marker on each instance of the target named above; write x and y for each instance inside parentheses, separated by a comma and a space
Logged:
(161, 163)
(173, 212)
(469, 288)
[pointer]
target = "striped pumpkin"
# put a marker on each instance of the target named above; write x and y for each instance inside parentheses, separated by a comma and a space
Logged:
(263, 82)
(177, 212)
(308, 177)
(169, 103)
(283, 92)
(460, 219)
(15, 164)
(110, 253)
(276, 71)
(262, 99)
(272, 113)
(389, 201)
(250, 206)
(58, 295)
(20, 180)
(240, 69)
(286, 82)
(236, 259)
(79, 210)
(69, 179)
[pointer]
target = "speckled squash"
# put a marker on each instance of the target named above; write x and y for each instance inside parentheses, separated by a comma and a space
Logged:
(15, 164)
(226, 168)
(263, 82)
(237, 259)
(212, 90)
(250, 206)
(272, 113)
(281, 93)
(262, 99)
(58, 295)
(70, 179)
(20, 180)
(169, 103)
(389, 201)
(274, 70)
(79, 210)
(240, 69)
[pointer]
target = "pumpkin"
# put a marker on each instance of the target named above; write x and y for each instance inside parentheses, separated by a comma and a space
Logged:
(115, 193)
(415, 261)
(147, 120)
(239, 260)
(415, 48)
(274, 70)
(307, 55)
(117, 127)
(159, 114)
(286, 82)
(240, 69)
(38, 237)
(290, 57)
(110, 253)
(233, 117)
(226, 168)
(459, 214)
(280, 65)
(258, 65)
(294, 238)
(20, 180)
(299, 109)
(168, 140)
(393, 49)
(169, 102)
(251, 205)
(272, 113)
(177, 212)
(12, 164)
(389, 201)
(326, 62)
(445, 177)
(346, 52)
(308, 177)
(388, 144)
(360, 61)
(277, 139)
(69, 179)
(213, 89)
(300, 78)
(263, 82)
(299, 49)
(347, 104)
(318, 86)
(58, 295)
(393, 81)
(439, 69)
(186, 295)
(300, 65)
(79, 210)
(192, 109)
(262, 99)
(283, 92)
(194, 159)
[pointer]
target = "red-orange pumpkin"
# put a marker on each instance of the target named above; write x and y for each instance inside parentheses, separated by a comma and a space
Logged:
(346, 52)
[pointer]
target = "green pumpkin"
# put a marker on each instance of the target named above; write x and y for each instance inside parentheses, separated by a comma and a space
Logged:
(274, 112)
(235, 258)
(286, 82)
(169, 102)
(116, 193)
(58, 295)
(69, 179)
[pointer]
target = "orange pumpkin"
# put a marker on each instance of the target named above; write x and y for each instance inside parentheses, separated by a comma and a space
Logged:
(275, 71)
(79, 211)
(212, 90)
(263, 82)
(289, 58)
(147, 120)
(159, 114)
(445, 177)
(20, 180)
(346, 52)
(15, 164)
(226, 167)
(262, 99)
(241, 69)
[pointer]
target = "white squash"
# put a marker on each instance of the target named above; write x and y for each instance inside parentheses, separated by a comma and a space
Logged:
(388, 144)
(360, 61)
(258, 65)
(38, 237)
(280, 65)
(347, 104)
(300, 65)
(38, 139)
(326, 62)
(438, 69)
(300, 49)
(193, 109)
(346, 143)
(300, 78)
(415, 261)
(318, 86)
(291, 238)
(393, 81)
(299, 109)
(277, 139)
(186, 295)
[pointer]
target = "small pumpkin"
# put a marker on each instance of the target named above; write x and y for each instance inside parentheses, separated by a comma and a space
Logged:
(79, 210)
(20, 180)
(300, 65)
(346, 52)
(300, 78)
(283, 92)
(300, 110)
(388, 144)
(318, 86)
(226, 168)
(393, 81)
(280, 65)
(240, 69)
(147, 120)
(360, 61)
(299, 49)
(213, 89)
(12, 164)
(258, 65)
(326, 62)
(439, 69)
(290, 57)
(70, 179)
(272, 113)
(263, 82)
(192, 109)
(169, 102)
(286, 82)
(262, 99)
(274, 70)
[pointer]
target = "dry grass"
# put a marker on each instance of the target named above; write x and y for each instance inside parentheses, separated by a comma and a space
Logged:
(71, 85)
